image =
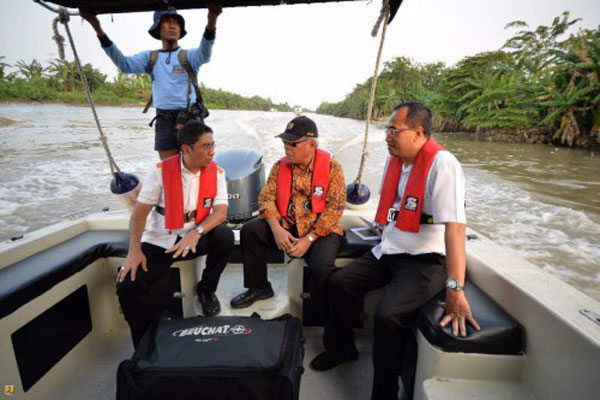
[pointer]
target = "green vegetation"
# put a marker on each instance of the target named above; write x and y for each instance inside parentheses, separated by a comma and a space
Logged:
(59, 81)
(539, 87)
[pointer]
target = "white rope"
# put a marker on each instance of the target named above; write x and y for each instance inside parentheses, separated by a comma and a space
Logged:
(384, 17)
(63, 17)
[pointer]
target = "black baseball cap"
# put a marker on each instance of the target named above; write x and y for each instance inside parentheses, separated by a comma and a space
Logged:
(298, 128)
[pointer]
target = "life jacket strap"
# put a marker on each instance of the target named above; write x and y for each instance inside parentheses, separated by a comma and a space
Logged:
(392, 215)
(188, 216)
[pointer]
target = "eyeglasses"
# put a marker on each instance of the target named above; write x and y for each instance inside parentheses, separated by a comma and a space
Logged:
(395, 131)
(206, 146)
(293, 144)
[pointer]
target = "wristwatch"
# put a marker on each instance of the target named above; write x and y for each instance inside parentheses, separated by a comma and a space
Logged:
(453, 284)
(310, 238)
(199, 229)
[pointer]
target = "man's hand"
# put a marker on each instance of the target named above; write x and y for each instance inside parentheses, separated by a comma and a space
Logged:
(458, 311)
(183, 247)
(134, 259)
(214, 10)
(91, 17)
(283, 238)
(300, 248)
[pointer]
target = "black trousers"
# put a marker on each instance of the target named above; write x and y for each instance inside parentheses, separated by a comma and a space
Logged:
(256, 237)
(410, 282)
(141, 300)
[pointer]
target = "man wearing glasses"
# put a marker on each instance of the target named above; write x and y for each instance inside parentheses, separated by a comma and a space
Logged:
(186, 197)
(300, 210)
(422, 251)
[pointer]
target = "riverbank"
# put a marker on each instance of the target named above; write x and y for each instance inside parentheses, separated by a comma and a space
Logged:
(541, 86)
(44, 90)
(534, 135)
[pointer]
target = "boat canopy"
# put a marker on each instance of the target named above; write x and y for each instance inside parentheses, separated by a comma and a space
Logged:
(123, 6)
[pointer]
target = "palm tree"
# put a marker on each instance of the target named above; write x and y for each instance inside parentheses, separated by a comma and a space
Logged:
(2, 66)
(30, 71)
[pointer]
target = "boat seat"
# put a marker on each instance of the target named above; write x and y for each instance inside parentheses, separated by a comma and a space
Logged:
(29, 278)
(500, 333)
(352, 245)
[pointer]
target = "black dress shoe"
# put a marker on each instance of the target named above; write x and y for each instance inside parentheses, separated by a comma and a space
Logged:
(248, 298)
(209, 302)
(328, 360)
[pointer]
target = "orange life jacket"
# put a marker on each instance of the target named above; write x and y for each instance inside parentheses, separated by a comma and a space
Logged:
(320, 183)
(173, 192)
(409, 215)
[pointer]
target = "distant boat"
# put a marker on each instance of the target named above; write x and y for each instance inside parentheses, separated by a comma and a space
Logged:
(298, 110)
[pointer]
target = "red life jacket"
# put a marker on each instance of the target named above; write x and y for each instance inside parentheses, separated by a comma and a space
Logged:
(409, 215)
(173, 192)
(320, 183)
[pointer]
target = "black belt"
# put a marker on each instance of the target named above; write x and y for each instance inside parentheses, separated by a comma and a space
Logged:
(189, 216)
(392, 215)
(172, 114)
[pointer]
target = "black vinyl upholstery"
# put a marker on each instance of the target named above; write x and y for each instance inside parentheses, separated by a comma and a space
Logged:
(29, 278)
(499, 334)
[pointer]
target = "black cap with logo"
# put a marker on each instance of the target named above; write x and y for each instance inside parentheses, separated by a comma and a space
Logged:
(298, 128)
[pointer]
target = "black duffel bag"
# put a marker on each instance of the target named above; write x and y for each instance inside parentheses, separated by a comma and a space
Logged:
(216, 358)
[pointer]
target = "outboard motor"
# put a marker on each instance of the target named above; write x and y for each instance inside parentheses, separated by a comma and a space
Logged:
(245, 173)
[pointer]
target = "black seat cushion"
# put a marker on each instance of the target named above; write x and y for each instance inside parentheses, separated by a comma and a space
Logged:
(33, 276)
(499, 334)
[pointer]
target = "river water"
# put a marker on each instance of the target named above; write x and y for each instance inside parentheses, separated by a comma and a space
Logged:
(540, 201)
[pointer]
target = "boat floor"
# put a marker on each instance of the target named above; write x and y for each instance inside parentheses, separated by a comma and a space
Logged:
(98, 379)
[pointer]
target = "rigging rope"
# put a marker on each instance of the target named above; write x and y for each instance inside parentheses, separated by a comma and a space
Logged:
(384, 17)
(63, 17)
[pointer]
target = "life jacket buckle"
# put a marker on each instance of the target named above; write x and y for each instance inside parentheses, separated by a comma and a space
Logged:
(392, 215)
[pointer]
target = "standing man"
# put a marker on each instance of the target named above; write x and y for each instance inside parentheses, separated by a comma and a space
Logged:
(300, 210)
(422, 251)
(173, 71)
(186, 197)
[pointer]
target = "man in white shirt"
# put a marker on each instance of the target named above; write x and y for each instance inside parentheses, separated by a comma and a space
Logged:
(186, 198)
(422, 250)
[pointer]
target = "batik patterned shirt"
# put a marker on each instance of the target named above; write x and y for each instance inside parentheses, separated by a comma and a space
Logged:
(299, 209)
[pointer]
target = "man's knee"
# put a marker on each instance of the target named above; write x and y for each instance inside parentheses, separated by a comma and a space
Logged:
(338, 282)
(222, 236)
(251, 228)
(392, 317)
(128, 288)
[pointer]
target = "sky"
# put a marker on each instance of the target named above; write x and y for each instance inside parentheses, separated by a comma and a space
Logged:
(300, 54)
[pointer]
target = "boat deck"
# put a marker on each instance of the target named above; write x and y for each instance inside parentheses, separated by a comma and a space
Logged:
(98, 379)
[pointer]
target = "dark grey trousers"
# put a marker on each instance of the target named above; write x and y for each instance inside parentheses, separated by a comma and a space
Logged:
(256, 237)
(410, 282)
(140, 301)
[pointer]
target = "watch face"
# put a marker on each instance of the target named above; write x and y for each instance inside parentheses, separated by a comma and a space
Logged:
(451, 284)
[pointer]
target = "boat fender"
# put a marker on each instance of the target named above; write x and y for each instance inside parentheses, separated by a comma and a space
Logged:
(127, 187)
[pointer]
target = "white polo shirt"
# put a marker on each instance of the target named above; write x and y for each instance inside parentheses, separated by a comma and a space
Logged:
(152, 194)
(444, 199)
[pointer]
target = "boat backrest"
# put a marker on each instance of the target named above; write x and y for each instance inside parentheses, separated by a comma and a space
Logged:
(29, 278)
